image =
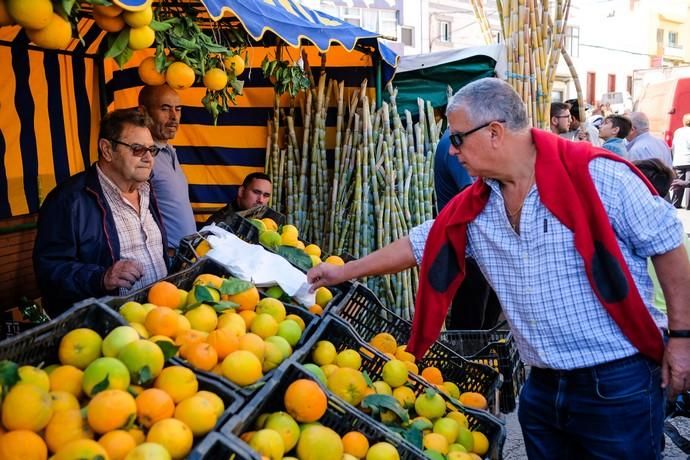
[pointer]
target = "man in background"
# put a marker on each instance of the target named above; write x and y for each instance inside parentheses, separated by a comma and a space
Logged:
(560, 118)
(681, 162)
(256, 190)
(642, 145)
(169, 183)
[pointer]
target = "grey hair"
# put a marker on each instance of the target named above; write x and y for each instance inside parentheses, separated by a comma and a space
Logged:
(490, 99)
(639, 121)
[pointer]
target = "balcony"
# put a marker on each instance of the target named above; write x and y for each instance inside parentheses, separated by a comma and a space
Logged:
(674, 52)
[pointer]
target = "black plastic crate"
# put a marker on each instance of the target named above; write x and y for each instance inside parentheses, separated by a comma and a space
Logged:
(222, 446)
(40, 344)
(340, 416)
(261, 212)
(495, 348)
(343, 336)
(367, 316)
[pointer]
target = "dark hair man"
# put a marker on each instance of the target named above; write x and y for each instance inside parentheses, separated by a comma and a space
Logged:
(613, 130)
(256, 190)
(560, 118)
(100, 232)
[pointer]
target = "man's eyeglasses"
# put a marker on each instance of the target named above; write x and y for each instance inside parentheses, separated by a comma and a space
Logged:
(138, 150)
(563, 116)
(457, 138)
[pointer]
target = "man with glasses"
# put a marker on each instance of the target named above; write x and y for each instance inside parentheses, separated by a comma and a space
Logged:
(560, 118)
(100, 232)
(562, 232)
(169, 183)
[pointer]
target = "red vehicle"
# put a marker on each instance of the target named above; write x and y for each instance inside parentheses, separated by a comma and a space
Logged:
(665, 103)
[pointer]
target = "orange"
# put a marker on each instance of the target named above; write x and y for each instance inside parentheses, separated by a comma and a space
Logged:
(247, 300)
(179, 75)
(34, 375)
(235, 64)
(26, 407)
(254, 344)
(355, 444)
(141, 355)
(79, 449)
(162, 321)
(395, 373)
(30, 14)
(63, 400)
(198, 413)
(172, 434)
(110, 11)
(474, 400)
(105, 368)
(298, 319)
(242, 367)
(110, 410)
(118, 444)
(323, 296)
(214, 399)
(66, 378)
(139, 18)
(202, 318)
(405, 396)
(208, 279)
(273, 307)
(65, 427)
(153, 405)
(234, 322)
(348, 358)
(430, 405)
(432, 375)
(149, 451)
(316, 309)
(264, 325)
(164, 293)
(215, 79)
(384, 342)
(383, 451)
(79, 347)
(305, 401)
(190, 337)
(223, 341)
(412, 367)
(269, 444)
(137, 434)
(109, 23)
(435, 442)
(317, 438)
(22, 444)
(349, 384)
(285, 426)
(202, 356)
(56, 35)
(481, 443)
(141, 37)
(324, 353)
(248, 316)
(179, 382)
(335, 260)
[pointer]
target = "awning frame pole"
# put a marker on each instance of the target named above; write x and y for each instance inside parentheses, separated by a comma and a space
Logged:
(379, 82)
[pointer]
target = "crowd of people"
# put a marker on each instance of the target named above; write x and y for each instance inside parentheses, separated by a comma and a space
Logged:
(545, 229)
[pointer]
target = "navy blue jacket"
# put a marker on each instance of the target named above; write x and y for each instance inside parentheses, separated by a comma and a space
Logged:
(77, 242)
(450, 176)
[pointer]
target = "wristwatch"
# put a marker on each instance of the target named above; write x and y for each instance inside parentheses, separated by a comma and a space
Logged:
(679, 333)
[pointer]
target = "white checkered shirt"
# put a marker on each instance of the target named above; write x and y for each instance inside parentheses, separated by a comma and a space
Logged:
(539, 276)
(139, 235)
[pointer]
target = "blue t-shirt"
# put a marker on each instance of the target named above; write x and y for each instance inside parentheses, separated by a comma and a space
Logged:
(450, 177)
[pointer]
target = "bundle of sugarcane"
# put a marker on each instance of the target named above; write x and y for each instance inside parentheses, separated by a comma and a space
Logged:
(379, 186)
(533, 33)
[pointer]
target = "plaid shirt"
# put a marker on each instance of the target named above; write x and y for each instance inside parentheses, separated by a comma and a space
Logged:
(139, 235)
(540, 278)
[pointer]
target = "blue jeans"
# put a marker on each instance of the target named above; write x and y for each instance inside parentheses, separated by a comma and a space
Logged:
(612, 411)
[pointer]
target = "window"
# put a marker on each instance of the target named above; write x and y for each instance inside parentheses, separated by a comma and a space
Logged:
(407, 36)
(673, 40)
(388, 23)
(628, 84)
(352, 16)
(444, 31)
(370, 19)
(572, 41)
(660, 36)
(611, 83)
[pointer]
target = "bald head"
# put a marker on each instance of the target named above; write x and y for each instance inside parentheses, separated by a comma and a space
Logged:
(162, 104)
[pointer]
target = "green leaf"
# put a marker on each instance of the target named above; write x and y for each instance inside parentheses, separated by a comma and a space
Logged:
(215, 48)
(144, 376)
(367, 379)
(169, 349)
(232, 286)
(224, 305)
(124, 57)
(203, 294)
(422, 424)
(254, 386)
(9, 375)
(378, 402)
(119, 45)
(158, 26)
(237, 85)
(414, 436)
(130, 422)
(295, 256)
(101, 386)
(100, 2)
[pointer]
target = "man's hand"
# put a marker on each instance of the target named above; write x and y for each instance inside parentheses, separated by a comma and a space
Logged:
(325, 275)
(675, 370)
(122, 274)
(679, 183)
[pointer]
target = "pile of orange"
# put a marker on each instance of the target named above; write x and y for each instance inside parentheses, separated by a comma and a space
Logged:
(91, 405)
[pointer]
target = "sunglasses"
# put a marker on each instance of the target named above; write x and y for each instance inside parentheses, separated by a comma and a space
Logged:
(138, 150)
(457, 138)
